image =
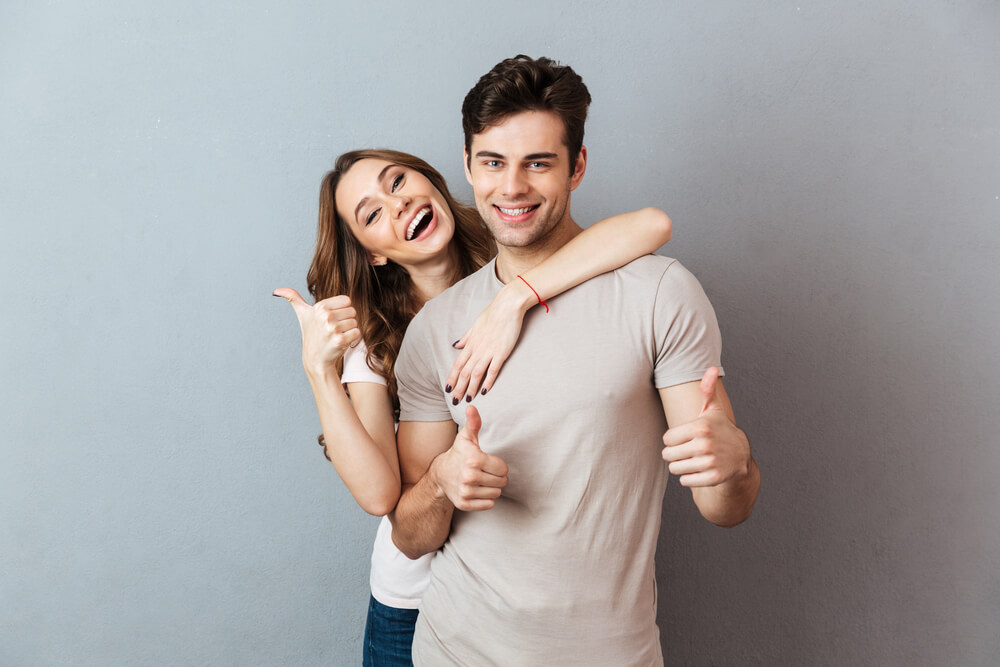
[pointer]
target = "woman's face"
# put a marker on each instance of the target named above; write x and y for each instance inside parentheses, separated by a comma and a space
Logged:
(395, 212)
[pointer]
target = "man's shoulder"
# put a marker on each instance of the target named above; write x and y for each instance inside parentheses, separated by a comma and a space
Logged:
(648, 265)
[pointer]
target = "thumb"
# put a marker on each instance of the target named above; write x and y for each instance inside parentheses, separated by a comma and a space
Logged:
(473, 422)
(293, 297)
(708, 382)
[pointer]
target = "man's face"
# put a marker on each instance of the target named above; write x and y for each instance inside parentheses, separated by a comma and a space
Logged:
(519, 172)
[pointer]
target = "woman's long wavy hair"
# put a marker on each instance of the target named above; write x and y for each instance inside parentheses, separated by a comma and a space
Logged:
(384, 296)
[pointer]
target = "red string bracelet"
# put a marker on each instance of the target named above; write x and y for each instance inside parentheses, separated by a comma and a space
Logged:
(540, 300)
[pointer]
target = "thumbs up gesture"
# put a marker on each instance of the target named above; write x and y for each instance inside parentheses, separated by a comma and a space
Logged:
(468, 476)
(709, 450)
(328, 329)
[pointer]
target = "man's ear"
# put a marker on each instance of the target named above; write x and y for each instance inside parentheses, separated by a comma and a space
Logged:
(377, 260)
(578, 169)
(465, 164)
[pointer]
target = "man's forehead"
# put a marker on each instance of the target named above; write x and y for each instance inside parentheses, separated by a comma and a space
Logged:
(524, 134)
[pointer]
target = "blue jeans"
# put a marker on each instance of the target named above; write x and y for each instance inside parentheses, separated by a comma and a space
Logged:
(388, 635)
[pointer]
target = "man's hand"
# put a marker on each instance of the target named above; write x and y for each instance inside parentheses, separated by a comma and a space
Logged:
(711, 449)
(470, 478)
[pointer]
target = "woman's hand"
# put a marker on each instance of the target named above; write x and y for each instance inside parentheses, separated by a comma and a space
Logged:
(328, 329)
(486, 346)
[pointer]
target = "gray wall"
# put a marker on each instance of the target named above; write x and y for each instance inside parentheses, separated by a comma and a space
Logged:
(833, 171)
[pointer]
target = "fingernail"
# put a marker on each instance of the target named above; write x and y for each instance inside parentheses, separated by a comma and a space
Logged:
(277, 295)
(447, 389)
(454, 401)
(455, 343)
(483, 392)
(468, 399)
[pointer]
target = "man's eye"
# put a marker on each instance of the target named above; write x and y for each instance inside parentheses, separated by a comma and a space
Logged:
(396, 182)
(493, 163)
(371, 217)
(537, 165)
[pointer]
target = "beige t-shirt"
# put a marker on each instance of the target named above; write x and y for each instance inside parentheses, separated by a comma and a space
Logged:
(561, 570)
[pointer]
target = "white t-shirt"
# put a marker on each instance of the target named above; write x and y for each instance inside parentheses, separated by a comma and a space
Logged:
(396, 581)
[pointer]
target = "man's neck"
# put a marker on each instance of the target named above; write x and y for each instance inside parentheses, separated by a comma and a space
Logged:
(512, 262)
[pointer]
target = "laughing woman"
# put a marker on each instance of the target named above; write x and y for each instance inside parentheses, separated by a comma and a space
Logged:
(390, 238)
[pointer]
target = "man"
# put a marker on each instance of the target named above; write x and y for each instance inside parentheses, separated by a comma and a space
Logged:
(559, 475)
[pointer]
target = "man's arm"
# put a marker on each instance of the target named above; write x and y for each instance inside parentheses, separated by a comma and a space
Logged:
(439, 478)
(708, 451)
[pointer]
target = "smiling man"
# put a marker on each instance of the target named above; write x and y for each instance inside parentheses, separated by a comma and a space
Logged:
(547, 503)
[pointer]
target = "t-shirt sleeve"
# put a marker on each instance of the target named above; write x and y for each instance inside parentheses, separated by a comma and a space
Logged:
(685, 330)
(356, 366)
(421, 395)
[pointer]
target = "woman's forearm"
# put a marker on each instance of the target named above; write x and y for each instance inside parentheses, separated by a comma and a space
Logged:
(604, 246)
(366, 461)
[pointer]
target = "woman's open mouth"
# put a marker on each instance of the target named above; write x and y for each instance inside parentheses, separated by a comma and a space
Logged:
(419, 223)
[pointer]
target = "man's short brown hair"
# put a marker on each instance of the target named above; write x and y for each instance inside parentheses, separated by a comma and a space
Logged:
(521, 84)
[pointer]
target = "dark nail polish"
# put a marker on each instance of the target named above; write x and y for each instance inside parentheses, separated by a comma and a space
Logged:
(468, 398)
(454, 401)
(277, 295)
(455, 343)
(447, 389)
(483, 392)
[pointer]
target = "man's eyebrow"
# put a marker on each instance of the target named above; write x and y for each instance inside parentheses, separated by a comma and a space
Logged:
(364, 200)
(526, 158)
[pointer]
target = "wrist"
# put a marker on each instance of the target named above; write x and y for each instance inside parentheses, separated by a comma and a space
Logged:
(433, 479)
(320, 372)
(518, 296)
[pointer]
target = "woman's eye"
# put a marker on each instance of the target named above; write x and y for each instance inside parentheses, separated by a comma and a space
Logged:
(396, 182)
(371, 217)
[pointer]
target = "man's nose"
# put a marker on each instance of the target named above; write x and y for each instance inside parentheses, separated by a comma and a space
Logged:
(514, 182)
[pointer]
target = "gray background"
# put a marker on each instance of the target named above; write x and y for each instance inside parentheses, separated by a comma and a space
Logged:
(833, 172)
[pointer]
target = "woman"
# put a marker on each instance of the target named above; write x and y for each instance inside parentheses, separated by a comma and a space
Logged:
(391, 237)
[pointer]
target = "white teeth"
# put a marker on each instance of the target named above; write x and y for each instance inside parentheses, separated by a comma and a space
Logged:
(515, 211)
(424, 212)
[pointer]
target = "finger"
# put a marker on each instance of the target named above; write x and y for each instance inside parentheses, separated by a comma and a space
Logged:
(476, 505)
(492, 372)
(475, 379)
(679, 435)
(494, 465)
(706, 478)
(343, 326)
(460, 343)
(483, 485)
(456, 368)
(708, 382)
(473, 422)
(691, 466)
(464, 375)
(349, 338)
(687, 450)
(293, 297)
(334, 302)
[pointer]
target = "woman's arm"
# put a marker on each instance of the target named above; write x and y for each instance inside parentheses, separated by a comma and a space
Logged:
(602, 247)
(359, 432)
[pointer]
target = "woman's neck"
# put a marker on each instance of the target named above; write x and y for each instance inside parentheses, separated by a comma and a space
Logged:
(435, 276)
